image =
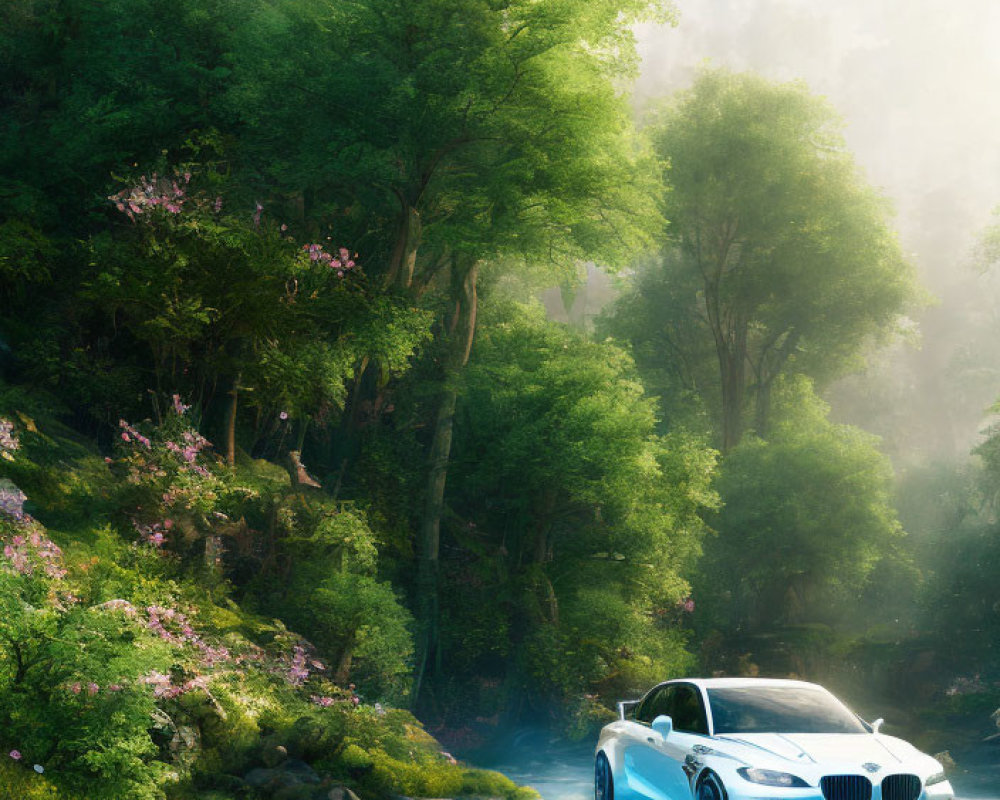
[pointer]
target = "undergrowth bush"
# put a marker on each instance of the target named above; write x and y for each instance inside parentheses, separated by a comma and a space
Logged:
(127, 671)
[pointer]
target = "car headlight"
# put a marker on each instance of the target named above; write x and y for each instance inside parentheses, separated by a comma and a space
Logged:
(768, 777)
(937, 777)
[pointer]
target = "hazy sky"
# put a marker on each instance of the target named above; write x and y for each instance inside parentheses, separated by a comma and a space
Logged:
(917, 81)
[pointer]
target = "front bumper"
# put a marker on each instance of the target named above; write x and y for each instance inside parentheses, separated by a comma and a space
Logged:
(744, 790)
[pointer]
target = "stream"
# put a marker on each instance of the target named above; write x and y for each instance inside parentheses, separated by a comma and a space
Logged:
(562, 770)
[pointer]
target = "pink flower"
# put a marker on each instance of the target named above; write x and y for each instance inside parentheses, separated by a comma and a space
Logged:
(283, 415)
(92, 688)
(125, 437)
(75, 688)
(15, 754)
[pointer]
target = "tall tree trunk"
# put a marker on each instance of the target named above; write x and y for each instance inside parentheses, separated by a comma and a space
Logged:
(731, 348)
(729, 324)
(733, 388)
(762, 406)
(404, 252)
(234, 394)
(342, 674)
(460, 333)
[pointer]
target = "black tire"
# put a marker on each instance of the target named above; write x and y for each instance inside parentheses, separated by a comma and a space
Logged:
(710, 788)
(604, 783)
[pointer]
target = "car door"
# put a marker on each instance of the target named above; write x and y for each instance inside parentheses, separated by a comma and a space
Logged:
(688, 737)
(657, 762)
(640, 763)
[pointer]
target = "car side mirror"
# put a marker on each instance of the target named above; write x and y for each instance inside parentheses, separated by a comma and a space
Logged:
(663, 725)
(877, 724)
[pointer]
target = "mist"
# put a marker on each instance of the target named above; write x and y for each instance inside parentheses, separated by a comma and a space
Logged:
(915, 82)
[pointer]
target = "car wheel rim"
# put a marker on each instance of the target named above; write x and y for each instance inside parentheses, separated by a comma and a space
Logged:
(601, 780)
(709, 790)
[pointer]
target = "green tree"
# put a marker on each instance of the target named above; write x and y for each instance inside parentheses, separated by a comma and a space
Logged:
(794, 261)
(226, 305)
(807, 515)
(572, 521)
(453, 132)
(88, 88)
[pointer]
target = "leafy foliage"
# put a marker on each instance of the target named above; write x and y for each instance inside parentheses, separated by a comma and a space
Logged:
(786, 262)
(591, 518)
(807, 515)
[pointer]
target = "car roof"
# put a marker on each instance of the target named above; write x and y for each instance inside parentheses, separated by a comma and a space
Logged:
(741, 683)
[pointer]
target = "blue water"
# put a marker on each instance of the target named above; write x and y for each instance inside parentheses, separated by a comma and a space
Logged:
(561, 770)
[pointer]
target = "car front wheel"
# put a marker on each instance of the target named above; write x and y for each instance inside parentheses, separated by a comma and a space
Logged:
(711, 788)
(604, 785)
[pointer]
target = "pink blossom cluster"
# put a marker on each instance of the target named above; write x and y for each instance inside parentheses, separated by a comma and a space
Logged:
(130, 434)
(8, 439)
(26, 553)
(686, 605)
(12, 501)
(299, 665)
(91, 689)
(162, 620)
(179, 407)
(340, 262)
(155, 533)
(322, 700)
(193, 444)
(325, 701)
(298, 671)
(163, 685)
(188, 447)
(173, 626)
(119, 605)
(152, 193)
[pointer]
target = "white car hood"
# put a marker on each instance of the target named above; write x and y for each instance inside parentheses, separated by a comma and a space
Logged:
(816, 748)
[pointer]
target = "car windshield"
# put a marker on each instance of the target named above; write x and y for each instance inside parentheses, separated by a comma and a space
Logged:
(780, 709)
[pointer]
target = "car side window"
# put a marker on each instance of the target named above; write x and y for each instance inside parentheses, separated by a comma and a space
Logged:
(687, 710)
(652, 705)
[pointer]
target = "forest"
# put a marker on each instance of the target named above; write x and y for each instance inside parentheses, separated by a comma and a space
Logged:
(302, 483)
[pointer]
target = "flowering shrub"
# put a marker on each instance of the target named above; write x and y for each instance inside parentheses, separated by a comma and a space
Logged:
(82, 677)
(11, 501)
(155, 193)
(168, 488)
(340, 263)
(71, 697)
(8, 439)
